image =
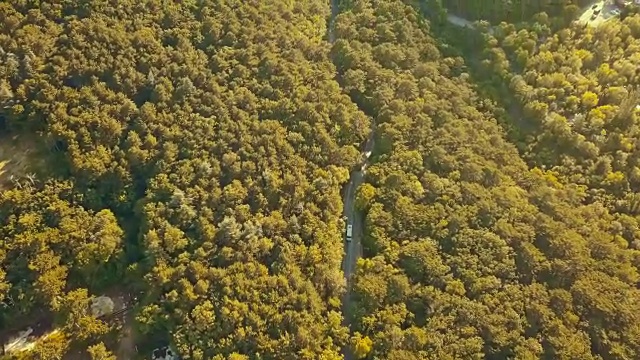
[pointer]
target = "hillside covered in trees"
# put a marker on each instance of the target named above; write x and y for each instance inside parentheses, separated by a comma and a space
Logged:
(578, 94)
(195, 154)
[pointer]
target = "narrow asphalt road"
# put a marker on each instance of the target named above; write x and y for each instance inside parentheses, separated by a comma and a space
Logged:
(352, 249)
(334, 13)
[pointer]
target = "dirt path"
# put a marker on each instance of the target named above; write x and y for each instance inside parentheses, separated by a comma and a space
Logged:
(126, 348)
(127, 343)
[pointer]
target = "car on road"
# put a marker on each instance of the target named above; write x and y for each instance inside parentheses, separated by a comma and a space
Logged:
(349, 232)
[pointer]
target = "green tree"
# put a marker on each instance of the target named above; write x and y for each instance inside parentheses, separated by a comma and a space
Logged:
(363, 346)
(99, 352)
(364, 195)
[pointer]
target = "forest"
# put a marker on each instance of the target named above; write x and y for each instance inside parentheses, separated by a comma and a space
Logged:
(194, 156)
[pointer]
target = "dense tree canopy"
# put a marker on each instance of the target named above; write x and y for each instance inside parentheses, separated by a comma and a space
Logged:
(195, 154)
(578, 93)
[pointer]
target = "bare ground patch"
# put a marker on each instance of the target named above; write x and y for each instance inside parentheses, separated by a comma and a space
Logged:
(18, 158)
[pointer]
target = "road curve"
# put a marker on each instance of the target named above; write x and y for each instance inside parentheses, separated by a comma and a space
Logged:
(462, 22)
(458, 21)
